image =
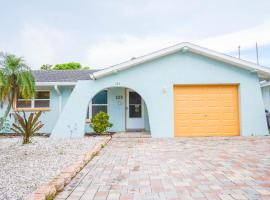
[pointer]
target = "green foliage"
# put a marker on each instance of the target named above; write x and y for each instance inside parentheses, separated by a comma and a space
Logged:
(15, 79)
(100, 122)
(46, 67)
(6, 126)
(86, 68)
(67, 66)
(27, 126)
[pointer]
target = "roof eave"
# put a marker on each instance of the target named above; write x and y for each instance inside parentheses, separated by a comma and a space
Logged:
(261, 71)
(55, 83)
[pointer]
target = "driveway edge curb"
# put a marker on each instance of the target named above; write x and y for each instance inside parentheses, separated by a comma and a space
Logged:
(57, 184)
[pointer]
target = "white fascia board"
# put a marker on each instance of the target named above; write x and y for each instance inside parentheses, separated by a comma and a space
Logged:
(137, 61)
(265, 84)
(263, 72)
(55, 83)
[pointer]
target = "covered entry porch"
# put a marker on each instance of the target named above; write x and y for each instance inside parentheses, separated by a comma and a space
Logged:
(126, 108)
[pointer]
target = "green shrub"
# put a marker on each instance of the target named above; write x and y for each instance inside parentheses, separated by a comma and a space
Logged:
(27, 126)
(67, 66)
(100, 122)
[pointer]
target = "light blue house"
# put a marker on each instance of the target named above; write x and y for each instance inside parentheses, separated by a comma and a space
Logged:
(265, 86)
(183, 90)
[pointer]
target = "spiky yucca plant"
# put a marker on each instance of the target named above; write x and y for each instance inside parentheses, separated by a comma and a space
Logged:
(27, 126)
(15, 79)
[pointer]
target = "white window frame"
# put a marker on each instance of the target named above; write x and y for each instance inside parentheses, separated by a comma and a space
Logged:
(91, 105)
(33, 102)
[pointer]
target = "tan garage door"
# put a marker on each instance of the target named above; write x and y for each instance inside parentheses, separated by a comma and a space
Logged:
(206, 110)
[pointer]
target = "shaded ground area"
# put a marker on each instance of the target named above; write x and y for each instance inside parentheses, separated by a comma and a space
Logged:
(183, 168)
(24, 167)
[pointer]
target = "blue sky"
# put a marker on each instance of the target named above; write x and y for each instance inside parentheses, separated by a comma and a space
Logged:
(103, 33)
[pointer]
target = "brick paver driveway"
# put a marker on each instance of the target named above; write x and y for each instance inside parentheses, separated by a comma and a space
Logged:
(184, 168)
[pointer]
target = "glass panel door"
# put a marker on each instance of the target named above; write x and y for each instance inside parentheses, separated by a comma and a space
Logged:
(135, 105)
(135, 111)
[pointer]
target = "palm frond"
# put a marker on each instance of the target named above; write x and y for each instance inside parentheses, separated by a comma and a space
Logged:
(15, 79)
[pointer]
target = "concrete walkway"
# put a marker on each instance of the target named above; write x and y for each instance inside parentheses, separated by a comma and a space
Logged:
(183, 168)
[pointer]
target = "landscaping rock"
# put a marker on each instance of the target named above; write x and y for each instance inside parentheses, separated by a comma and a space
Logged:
(26, 167)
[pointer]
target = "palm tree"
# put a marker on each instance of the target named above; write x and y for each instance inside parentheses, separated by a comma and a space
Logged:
(15, 79)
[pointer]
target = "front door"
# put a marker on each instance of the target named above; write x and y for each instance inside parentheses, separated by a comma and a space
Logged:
(134, 111)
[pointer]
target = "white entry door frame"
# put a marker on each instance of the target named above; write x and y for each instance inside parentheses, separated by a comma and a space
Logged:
(134, 111)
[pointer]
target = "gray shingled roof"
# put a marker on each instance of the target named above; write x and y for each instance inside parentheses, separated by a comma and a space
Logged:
(61, 75)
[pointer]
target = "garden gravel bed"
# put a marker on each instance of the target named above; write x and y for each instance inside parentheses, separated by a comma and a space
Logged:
(25, 167)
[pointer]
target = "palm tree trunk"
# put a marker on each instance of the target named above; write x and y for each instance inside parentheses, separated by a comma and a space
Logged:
(10, 101)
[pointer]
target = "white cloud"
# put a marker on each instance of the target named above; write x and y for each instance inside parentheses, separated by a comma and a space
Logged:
(111, 52)
(48, 45)
(43, 45)
(245, 38)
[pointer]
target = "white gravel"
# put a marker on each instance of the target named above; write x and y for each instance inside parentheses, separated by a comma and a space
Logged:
(25, 167)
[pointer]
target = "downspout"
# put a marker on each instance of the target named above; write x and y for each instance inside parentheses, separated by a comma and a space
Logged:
(60, 98)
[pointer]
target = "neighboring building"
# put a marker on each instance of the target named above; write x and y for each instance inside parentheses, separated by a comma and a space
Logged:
(183, 90)
(265, 86)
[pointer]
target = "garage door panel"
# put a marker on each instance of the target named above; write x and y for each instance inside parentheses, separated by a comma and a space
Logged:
(213, 116)
(227, 116)
(206, 110)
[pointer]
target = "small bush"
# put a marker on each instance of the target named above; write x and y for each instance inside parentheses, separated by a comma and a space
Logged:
(100, 123)
(27, 126)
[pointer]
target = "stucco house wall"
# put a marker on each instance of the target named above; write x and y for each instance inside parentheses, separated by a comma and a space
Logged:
(117, 109)
(50, 117)
(154, 81)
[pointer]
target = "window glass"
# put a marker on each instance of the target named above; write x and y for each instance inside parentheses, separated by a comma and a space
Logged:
(100, 98)
(135, 111)
(99, 104)
(42, 95)
(134, 98)
(41, 100)
(21, 103)
(96, 109)
(42, 103)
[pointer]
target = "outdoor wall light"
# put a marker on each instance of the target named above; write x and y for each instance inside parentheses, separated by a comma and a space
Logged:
(164, 90)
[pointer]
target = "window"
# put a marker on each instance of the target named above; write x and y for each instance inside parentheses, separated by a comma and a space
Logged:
(41, 101)
(99, 103)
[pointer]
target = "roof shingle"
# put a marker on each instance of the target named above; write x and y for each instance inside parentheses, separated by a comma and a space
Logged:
(62, 75)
